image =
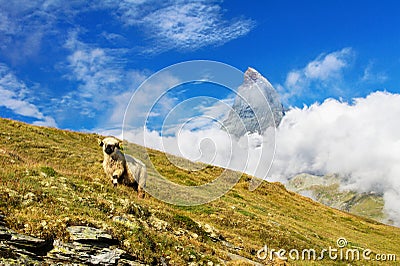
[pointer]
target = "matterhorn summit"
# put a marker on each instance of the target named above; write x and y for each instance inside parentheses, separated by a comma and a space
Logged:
(256, 107)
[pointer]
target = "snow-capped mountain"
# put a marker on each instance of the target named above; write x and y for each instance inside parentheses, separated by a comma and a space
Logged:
(256, 107)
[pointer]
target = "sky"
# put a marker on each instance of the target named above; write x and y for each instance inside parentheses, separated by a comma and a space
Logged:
(336, 65)
(69, 64)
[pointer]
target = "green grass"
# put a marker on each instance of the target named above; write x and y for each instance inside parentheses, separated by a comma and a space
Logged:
(51, 179)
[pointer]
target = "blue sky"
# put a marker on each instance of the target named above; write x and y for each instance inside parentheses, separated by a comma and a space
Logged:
(75, 64)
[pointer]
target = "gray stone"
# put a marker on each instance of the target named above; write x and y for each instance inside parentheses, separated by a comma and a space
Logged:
(24, 244)
(245, 260)
(107, 256)
(27, 240)
(90, 246)
(85, 253)
(89, 234)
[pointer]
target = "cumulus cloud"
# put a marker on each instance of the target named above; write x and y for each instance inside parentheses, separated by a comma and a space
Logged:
(325, 72)
(327, 66)
(211, 145)
(359, 141)
(15, 96)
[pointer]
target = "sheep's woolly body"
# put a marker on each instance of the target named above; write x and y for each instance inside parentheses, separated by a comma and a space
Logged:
(114, 165)
(131, 173)
(138, 170)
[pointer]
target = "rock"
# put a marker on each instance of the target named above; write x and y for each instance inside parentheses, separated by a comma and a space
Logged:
(20, 249)
(126, 262)
(86, 234)
(158, 224)
(230, 245)
(85, 253)
(238, 259)
(90, 246)
(5, 233)
(213, 233)
(32, 244)
(107, 256)
(250, 111)
(126, 222)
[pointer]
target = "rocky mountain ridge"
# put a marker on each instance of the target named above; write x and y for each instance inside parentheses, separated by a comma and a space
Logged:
(256, 107)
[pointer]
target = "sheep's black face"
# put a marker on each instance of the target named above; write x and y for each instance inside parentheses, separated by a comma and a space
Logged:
(109, 145)
(109, 148)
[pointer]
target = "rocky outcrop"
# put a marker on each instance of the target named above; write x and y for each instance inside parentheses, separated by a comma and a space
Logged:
(92, 246)
(256, 107)
(88, 246)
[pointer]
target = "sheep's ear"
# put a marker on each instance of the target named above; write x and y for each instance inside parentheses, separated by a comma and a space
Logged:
(119, 146)
(100, 142)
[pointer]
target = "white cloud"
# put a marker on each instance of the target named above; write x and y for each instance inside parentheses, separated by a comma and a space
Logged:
(105, 85)
(194, 25)
(325, 71)
(211, 145)
(293, 79)
(359, 141)
(182, 24)
(328, 66)
(100, 76)
(370, 75)
(14, 95)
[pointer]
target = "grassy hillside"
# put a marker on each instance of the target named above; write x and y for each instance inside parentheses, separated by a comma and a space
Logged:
(50, 179)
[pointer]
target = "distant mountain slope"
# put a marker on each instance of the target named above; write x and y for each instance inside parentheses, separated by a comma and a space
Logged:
(52, 181)
(256, 107)
(326, 189)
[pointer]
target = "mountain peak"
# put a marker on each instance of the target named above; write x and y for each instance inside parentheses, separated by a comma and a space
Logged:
(256, 107)
(252, 75)
(250, 71)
